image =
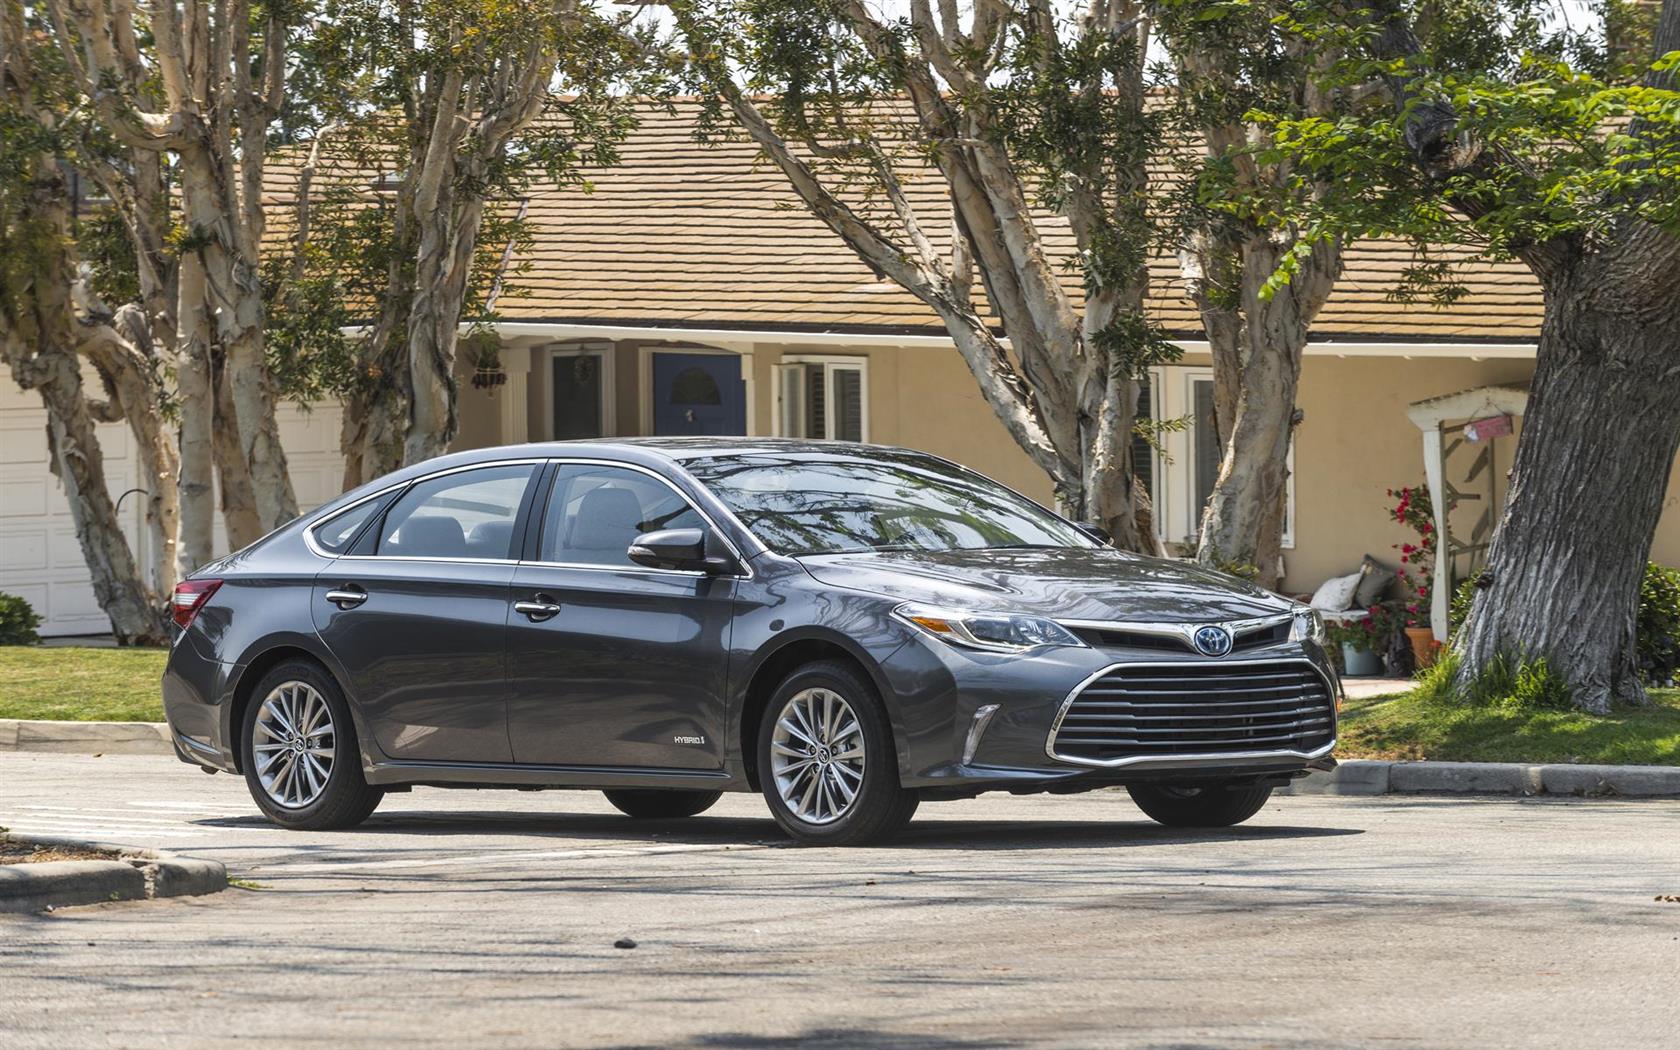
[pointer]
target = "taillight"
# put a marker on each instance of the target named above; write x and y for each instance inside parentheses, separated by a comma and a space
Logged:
(189, 597)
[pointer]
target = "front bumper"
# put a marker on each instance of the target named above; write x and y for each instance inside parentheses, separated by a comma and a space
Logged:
(944, 694)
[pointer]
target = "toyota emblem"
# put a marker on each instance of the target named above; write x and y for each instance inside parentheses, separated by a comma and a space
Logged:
(1213, 641)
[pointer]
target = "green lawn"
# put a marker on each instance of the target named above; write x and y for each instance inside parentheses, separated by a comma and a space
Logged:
(81, 685)
(1405, 727)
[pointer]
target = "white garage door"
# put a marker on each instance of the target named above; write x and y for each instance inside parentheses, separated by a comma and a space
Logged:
(40, 557)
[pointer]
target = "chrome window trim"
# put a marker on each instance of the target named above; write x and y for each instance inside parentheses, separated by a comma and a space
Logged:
(746, 572)
(1186, 632)
(1196, 759)
(309, 530)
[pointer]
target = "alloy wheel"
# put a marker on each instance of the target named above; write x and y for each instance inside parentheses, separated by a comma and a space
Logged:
(817, 755)
(292, 744)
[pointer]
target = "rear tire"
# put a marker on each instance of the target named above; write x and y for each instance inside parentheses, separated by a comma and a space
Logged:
(285, 778)
(1199, 806)
(826, 760)
(657, 804)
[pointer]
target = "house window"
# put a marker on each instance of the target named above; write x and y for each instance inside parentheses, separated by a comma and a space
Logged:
(823, 397)
(579, 388)
(1144, 457)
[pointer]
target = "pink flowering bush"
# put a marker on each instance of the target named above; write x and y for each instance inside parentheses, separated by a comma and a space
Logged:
(1413, 509)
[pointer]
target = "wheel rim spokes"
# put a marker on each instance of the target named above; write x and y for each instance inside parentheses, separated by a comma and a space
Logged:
(817, 755)
(292, 744)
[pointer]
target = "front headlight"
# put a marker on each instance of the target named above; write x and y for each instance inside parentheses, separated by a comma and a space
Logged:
(993, 632)
(1308, 627)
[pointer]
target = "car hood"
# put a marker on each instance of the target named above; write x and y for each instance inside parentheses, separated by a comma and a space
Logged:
(1063, 583)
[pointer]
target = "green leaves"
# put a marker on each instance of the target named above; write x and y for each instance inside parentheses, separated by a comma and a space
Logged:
(1526, 138)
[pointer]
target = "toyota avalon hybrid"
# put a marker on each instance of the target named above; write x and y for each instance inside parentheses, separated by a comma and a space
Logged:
(847, 629)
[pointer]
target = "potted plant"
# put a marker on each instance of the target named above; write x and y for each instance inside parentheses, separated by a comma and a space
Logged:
(486, 352)
(1413, 508)
(1361, 643)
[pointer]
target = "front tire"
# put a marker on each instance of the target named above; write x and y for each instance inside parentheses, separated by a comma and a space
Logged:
(298, 750)
(826, 761)
(1214, 805)
(656, 804)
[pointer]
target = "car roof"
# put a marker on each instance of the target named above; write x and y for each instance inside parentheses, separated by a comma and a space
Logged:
(643, 451)
(680, 448)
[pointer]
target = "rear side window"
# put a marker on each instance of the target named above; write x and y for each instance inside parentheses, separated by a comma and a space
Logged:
(594, 513)
(467, 514)
(339, 531)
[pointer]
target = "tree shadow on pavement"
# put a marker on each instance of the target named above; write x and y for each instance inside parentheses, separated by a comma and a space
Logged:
(923, 833)
(826, 1039)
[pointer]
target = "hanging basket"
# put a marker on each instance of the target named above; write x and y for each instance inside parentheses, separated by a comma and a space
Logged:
(488, 378)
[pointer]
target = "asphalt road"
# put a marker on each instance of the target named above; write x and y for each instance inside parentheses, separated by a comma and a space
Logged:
(477, 918)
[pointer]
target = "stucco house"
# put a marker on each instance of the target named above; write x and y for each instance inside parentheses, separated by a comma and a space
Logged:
(689, 293)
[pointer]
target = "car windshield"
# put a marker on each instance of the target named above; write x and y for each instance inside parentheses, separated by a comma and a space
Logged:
(830, 503)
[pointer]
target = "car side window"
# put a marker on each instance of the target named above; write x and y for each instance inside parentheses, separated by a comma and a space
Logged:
(337, 533)
(467, 514)
(595, 512)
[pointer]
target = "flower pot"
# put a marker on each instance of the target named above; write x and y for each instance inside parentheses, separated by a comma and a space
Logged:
(1424, 645)
(1360, 663)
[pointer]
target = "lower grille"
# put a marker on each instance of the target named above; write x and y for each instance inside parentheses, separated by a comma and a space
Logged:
(1146, 711)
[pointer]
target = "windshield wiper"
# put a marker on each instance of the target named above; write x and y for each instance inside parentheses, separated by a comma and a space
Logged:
(1024, 547)
(862, 550)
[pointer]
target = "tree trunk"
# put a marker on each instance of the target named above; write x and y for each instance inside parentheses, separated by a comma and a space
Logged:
(1113, 499)
(259, 430)
(232, 284)
(129, 379)
(376, 412)
(40, 338)
(1598, 442)
(238, 494)
(1242, 526)
(199, 418)
(136, 614)
(440, 287)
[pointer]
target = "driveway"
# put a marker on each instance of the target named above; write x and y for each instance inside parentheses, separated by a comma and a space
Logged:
(488, 918)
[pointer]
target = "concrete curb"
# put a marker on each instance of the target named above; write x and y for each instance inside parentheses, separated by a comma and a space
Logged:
(140, 874)
(86, 738)
(1365, 777)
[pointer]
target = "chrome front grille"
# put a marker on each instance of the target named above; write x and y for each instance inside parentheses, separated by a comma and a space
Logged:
(1136, 712)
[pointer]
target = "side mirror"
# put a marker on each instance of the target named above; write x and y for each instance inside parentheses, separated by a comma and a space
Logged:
(1095, 531)
(678, 549)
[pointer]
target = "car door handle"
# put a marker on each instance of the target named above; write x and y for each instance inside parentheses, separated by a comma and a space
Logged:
(541, 609)
(347, 597)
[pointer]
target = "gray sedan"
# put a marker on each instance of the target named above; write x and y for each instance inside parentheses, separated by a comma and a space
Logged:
(848, 629)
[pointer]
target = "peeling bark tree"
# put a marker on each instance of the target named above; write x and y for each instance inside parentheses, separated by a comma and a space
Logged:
(1004, 106)
(1231, 60)
(40, 334)
(476, 112)
(1525, 163)
(120, 350)
(462, 105)
(218, 91)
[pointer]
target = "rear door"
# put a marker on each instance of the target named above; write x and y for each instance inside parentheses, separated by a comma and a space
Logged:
(610, 663)
(417, 614)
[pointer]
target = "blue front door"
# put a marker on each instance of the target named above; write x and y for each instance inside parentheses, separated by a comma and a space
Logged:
(698, 394)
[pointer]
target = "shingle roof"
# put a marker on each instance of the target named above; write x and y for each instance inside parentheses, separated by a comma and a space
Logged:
(684, 234)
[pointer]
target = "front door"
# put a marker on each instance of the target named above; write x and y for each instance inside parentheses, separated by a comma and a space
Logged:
(698, 394)
(610, 663)
(418, 619)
